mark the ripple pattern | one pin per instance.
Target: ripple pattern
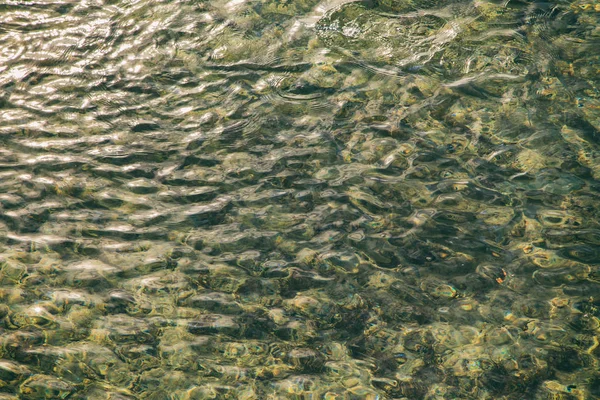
(299, 199)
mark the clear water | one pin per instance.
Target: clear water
(301, 199)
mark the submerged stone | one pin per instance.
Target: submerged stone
(45, 387)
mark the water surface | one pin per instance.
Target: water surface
(299, 199)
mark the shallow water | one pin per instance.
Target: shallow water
(301, 199)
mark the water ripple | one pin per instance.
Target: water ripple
(309, 198)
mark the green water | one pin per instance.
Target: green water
(301, 199)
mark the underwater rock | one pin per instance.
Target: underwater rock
(11, 373)
(45, 387)
(306, 360)
(214, 323)
(215, 301)
(92, 274)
